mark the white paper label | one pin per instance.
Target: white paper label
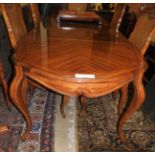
(85, 76)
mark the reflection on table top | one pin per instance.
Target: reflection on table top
(69, 49)
(86, 16)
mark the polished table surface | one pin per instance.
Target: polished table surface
(76, 59)
(78, 49)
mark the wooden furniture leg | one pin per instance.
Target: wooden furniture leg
(123, 98)
(6, 94)
(114, 94)
(24, 90)
(4, 85)
(63, 104)
(138, 99)
(83, 106)
(3, 129)
(17, 98)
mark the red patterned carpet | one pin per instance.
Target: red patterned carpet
(96, 131)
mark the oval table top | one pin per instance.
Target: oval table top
(78, 51)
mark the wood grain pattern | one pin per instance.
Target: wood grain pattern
(54, 54)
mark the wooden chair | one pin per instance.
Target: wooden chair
(13, 18)
(143, 32)
(3, 79)
(141, 38)
(16, 28)
(118, 16)
(4, 76)
(5, 65)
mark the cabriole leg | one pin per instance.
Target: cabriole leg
(17, 98)
(138, 99)
(123, 98)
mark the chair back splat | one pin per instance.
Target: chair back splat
(13, 18)
(118, 16)
(143, 32)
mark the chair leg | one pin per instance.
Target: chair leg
(83, 106)
(63, 104)
(114, 94)
(25, 86)
(5, 88)
(3, 129)
(6, 93)
(124, 91)
(17, 98)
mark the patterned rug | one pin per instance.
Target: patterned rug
(96, 131)
(41, 138)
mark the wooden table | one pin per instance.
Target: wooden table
(75, 60)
